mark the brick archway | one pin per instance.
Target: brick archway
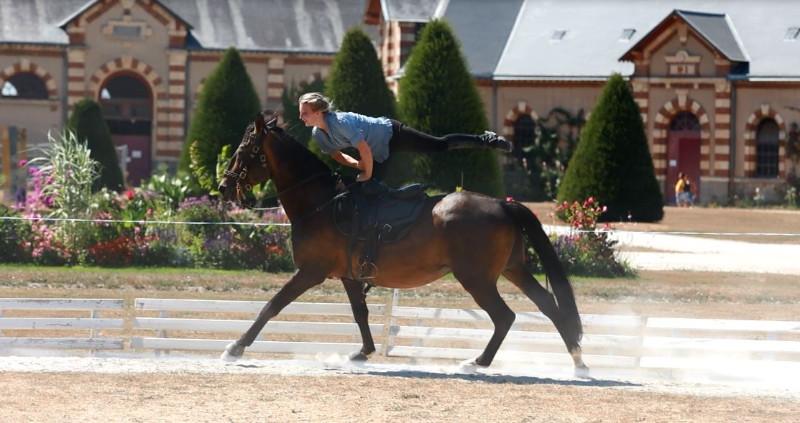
(130, 64)
(26, 66)
(750, 134)
(661, 131)
(523, 108)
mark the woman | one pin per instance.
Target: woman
(377, 138)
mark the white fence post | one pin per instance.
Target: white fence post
(389, 321)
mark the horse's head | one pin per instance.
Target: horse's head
(249, 165)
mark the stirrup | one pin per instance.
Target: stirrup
(367, 270)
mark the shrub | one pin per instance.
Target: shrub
(13, 233)
(438, 95)
(89, 126)
(585, 251)
(612, 162)
(227, 104)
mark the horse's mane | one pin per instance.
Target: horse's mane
(291, 150)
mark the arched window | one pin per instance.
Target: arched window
(24, 85)
(685, 121)
(767, 149)
(524, 133)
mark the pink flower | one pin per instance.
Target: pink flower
(129, 194)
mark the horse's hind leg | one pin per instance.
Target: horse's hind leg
(300, 282)
(358, 302)
(524, 280)
(484, 291)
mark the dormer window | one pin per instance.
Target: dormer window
(627, 34)
(792, 33)
(558, 35)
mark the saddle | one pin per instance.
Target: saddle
(372, 214)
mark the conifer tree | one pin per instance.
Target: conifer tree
(88, 124)
(438, 95)
(227, 104)
(612, 162)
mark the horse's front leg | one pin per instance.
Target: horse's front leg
(358, 302)
(300, 282)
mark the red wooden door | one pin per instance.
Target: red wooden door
(683, 153)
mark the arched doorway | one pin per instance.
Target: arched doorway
(127, 104)
(683, 152)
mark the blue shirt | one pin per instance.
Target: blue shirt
(346, 129)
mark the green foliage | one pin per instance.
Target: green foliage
(544, 156)
(67, 166)
(88, 124)
(202, 174)
(356, 82)
(438, 96)
(612, 161)
(170, 190)
(291, 114)
(227, 104)
(13, 233)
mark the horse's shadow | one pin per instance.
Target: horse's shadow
(502, 379)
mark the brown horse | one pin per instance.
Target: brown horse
(475, 237)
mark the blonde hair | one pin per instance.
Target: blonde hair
(317, 101)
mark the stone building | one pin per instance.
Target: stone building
(717, 82)
(145, 61)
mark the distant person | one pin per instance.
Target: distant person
(688, 191)
(679, 190)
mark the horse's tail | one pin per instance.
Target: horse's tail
(565, 297)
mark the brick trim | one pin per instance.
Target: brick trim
(765, 111)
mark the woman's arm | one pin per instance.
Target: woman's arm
(345, 159)
(365, 164)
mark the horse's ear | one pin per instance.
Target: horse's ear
(258, 123)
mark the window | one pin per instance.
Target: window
(524, 133)
(25, 85)
(767, 149)
(685, 121)
(627, 34)
(558, 35)
(792, 33)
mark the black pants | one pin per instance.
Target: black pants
(405, 138)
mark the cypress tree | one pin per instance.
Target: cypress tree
(438, 95)
(612, 161)
(88, 125)
(227, 104)
(356, 82)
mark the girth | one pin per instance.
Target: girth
(372, 214)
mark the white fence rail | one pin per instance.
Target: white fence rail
(22, 318)
(613, 341)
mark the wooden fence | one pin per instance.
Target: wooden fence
(32, 323)
(416, 333)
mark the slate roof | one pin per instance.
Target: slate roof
(592, 45)
(265, 25)
(409, 10)
(718, 30)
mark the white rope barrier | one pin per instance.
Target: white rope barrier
(561, 230)
(138, 222)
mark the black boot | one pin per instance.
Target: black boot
(486, 140)
(493, 140)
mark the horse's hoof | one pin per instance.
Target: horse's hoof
(232, 352)
(359, 356)
(582, 372)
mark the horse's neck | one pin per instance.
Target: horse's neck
(302, 191)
